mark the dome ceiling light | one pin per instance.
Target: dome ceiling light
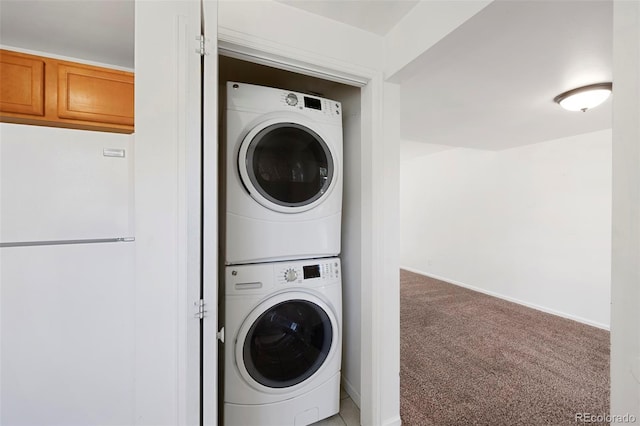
(584, 98)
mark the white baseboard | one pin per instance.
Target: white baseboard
(396, 421)
(351, 390)
(510, 299)
(355, 397)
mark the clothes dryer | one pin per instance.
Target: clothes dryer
(283, 323)
(283, 190)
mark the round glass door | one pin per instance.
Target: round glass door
(287, 343)
(289, 164)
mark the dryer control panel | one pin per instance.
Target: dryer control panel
(260, 99)
(308, 271)
(307, 102)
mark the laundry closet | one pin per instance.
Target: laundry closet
(348, 97)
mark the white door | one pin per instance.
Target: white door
(169, 151)
(210, 212)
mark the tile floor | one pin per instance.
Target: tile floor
(349, 414)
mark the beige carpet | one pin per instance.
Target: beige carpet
(472, 359)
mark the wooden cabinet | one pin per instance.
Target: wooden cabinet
(22, 89)
(50, 92)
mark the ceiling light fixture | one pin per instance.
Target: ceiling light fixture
(584, 98)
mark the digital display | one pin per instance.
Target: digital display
(311, 271)
(312, 103)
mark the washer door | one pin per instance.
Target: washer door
(285, 341)
(286, 167)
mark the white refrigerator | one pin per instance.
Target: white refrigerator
(67, 277)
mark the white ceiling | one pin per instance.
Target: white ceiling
(489, 84)
(93, 30)
(375, 16)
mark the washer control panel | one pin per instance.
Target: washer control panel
(308, 271)
(307, 102)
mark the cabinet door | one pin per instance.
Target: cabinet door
(21, 84)
(97, 95)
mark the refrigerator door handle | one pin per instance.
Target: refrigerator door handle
(113, 152)
(60, 242)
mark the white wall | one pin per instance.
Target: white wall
(389, 297)
(288, 27)
(167, 175)
(531, 224)
(625, 277)
(351, 247)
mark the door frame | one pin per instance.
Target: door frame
(372, 256)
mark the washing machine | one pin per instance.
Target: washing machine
(283, 327)
(283, 172)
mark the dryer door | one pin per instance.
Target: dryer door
(285, 341)
(286, 167)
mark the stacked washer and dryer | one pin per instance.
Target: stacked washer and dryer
(283, 287)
